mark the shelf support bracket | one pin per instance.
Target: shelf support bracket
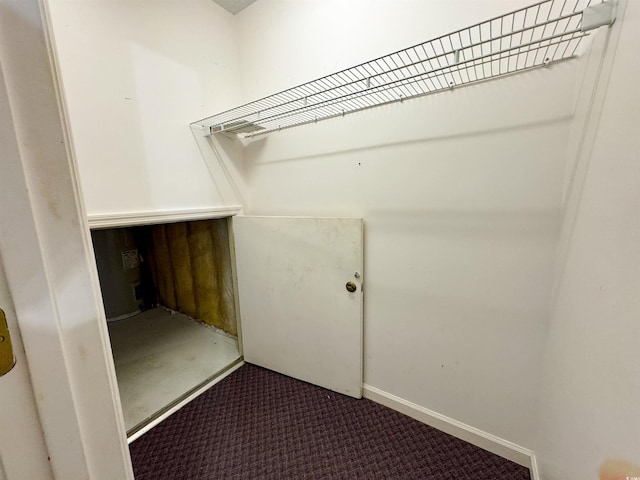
(600, 15)
(201, 130)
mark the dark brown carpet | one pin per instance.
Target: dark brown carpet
(256, 424)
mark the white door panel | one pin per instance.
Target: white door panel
(296, 314)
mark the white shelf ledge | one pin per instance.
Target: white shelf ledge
(535, 36)
(128, 219)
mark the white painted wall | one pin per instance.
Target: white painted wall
(135, 75)
(460, 192)
(591, 389)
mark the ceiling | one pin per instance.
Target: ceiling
(234, 6)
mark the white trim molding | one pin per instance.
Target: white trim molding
(48, 261)
(499, 446)
(127, 219)
(535, 472)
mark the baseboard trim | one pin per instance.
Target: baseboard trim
(535, 473)
(499, 446)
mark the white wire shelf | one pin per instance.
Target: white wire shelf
(539, 35)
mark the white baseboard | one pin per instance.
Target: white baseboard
(535, 473)
(499, 446)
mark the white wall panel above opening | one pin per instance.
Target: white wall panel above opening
(131, 88)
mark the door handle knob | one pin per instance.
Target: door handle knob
(351, 287)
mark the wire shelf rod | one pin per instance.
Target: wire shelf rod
(475, 63)
(323, 115)
(399, 68)
(411, 79)
(309, 98)
(460, 31)
(314, 120)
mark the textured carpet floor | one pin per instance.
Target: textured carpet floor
(256, 424)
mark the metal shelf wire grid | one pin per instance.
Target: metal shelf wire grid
(530, 37)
